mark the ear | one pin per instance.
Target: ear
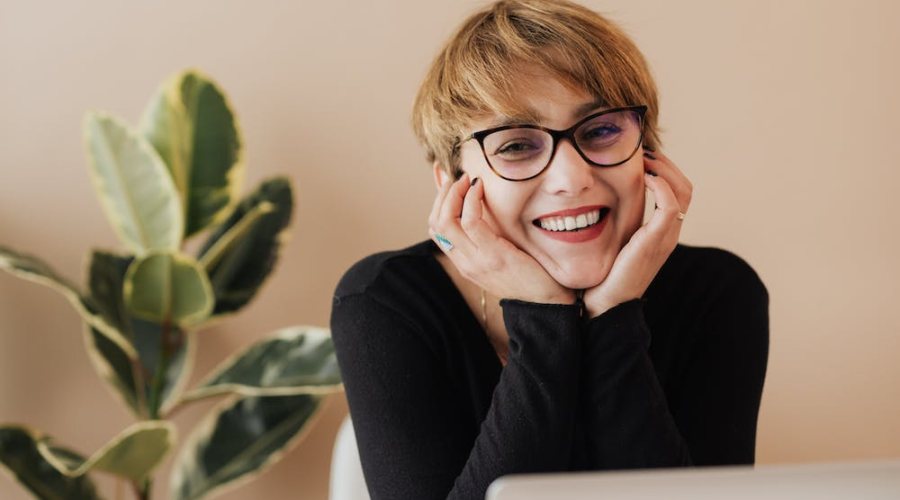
(440, 177)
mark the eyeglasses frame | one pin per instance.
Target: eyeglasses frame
(557, 136)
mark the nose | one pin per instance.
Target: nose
(568, 173)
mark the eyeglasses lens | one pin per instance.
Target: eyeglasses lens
(523, 152)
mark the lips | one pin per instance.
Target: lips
(575, 225)
(571, 220)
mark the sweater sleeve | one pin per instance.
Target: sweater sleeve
(628, 423)
(410, 429)
(722, 385)
(712, 420)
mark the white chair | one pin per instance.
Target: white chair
(347, 481)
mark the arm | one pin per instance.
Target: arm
(415, 436)
(715, 401)
(722, 386)
(627, 418)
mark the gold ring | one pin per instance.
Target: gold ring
(680, 215)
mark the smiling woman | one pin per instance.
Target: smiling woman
(521, 340)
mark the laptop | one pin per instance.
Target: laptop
(829, 481)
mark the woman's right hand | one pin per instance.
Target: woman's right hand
(483, 256)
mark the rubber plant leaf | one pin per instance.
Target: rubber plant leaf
(20, 456)
(133, 454)
(31, 268)
(190, 124)
(135, 188)
(168, 288)
(131, 379)
(238, 441)
(148, 339)
(238, 256)
(296, 360)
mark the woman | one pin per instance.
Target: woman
(546, 327)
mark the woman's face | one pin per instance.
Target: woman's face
(568, 187)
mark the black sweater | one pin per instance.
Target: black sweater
(674, 379)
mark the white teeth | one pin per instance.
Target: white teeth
(570, 223)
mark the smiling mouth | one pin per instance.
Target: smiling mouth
(572, 223)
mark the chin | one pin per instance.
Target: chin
(581, 279)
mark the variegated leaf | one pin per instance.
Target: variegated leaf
(19, 454)
(240, 440)
(168, 287)
(191, 126)
(297, 360)
(238, 268)
(31, 268)
(135, 188)
(133, 454)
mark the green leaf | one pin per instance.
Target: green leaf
(106, 279)
(133, 454)
(148, 340)
(132, 377)
(191, 126)
(238, 440)
(135, 189)
(168, 287)
(114, 367)
(19, 454)
(297, 360)
(31, 268)
(238, 268)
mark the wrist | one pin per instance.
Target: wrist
(595, 306)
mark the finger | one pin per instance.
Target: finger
(447, 223)
(472, 209)
(472, 221)
(663, 166)
(667, 204)
(453, 203)
(438, 203)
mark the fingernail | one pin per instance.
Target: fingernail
(475, 180)
(652, 173)
(648, 155)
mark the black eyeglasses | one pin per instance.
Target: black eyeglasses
(605, 139)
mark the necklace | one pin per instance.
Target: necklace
(501, 353)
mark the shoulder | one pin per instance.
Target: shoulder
(713, 270)
(393, 298)
(387, 270)
(707, 286)
(709, 299)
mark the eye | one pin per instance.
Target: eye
(599, 134)
(518, 149)
(517, 144)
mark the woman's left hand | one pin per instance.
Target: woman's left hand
(650, 246)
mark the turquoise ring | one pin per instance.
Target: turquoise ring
(443, 242)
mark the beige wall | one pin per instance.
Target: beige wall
(783, 113)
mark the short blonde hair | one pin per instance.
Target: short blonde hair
(479, 71)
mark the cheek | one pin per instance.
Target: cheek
(503, 207)
(631, 194)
